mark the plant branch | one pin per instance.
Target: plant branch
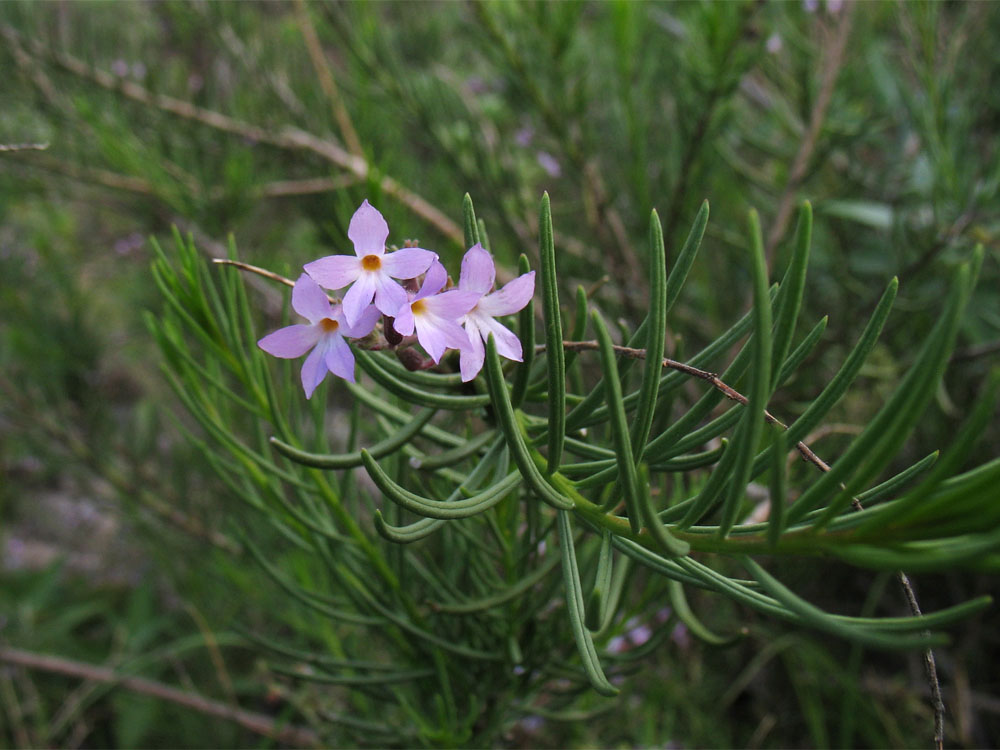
(709, 377)
(254, 722)
(23, 147)
(326, 80)
(254, 269)
(930, 663)
(288, 138)
(833, 60)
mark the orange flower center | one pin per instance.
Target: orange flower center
(371, 262)
(329, 325)
(418, 307)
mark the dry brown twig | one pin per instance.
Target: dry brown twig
(255, 722)
(11, 147)
(832, 61)
(326, 79)
(288, 138)
(930, 663)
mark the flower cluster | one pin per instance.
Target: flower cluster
(460, 318)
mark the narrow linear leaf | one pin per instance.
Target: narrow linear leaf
(817, 618)
(380, 373)
(353, 459)
(840, 382)
(680, 606)
(554, 354)
(574, 606)
(453, 456)
(760, 382)
(526, 332)
(655, 340)
(512, 592)
(413, 532)
(654, 524)
(793, 285)
(579, 324)
(512, 432)
(890, 426)
(373, 401)
(800, 352)
(469, 225)
(619, 426)
(982, 412)
(598, 600)
(685, 259)
(436, 508)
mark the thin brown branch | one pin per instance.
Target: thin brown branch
(89, 175)
(930, 663)
(288, 138)
(263, 272)
(254, 269)
(117, 181)
(326, 80)
(833, 60)
(709, 377)
(5, 147)
(250, 720)
(306, 186)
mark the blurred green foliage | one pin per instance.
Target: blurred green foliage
(614, 108)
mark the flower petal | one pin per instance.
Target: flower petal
(340, 359)
(403, 322)
(474, 355)
(358, 297)
(368, 231)
(309, 301)
(511, 298)
(452, 304)
(508, 344)
(290, 342)
(334, 271)
(407, 263)
(389, 296)
(438, 334)
(314, 369)
(455, 336)
(434, 281)
(478, 271)
(363, 325)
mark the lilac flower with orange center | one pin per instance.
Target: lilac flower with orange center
(324, 334)
(435, 316)
(478, 275)
(371, 271)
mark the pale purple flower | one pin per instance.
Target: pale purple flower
(478, 275)
(549, 163)
(324, 335)
(617, 645)
(640, 635)
(435, 316)
(371, 270)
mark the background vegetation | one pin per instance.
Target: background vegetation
(272, 122)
